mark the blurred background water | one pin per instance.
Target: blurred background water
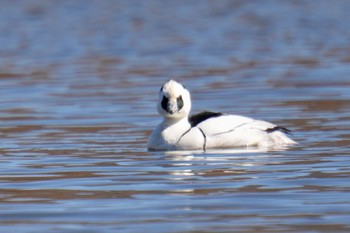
(79, 82)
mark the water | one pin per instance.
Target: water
(79, 82)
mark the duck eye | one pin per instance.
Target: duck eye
(180, 102)
(164, 103)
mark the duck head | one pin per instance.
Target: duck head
(174, 100)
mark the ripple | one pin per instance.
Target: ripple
(79, 83)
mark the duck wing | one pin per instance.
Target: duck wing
(212, 123)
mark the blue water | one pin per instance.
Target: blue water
(79, 83)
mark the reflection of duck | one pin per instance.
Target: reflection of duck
(208, 130)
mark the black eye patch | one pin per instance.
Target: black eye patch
(180, 102)
(164, 103)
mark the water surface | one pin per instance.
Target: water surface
(79, 83)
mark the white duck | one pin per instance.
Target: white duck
(208, 130)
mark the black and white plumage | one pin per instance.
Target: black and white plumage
(208, 130)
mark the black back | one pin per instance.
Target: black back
(202, 116)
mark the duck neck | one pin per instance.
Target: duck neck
(175, 121)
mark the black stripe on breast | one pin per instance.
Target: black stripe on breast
(205, 139)
(200, 117)
(278, 128)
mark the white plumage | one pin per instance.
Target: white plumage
(208, 130)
